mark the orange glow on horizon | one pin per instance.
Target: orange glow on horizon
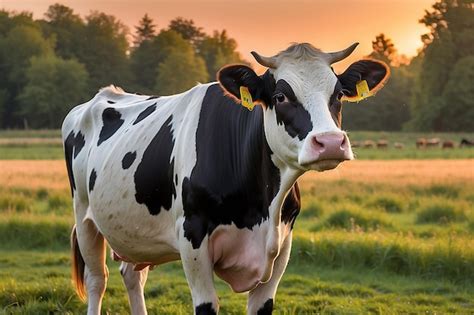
(270, 26)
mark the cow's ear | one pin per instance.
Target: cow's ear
(233, 77)
(374, 72)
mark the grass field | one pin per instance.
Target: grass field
(382, 237)
(46, 145)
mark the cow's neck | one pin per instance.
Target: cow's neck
(235, 179)
(288, 177)
(275, 177)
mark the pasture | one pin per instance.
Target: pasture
(373, 237)
(46, 145)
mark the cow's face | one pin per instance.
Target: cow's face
(302, 96)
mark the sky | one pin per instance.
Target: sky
(269, 26)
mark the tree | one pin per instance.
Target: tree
(145, 31)
(383, 49)
(16, 49)
(429, 85)
(104, 51)
(180, 70)
(10, 20)
(67, 28)
(53, 87)
(218, 50)
(451, 24)
(20, 44)
(4, 96)
(4, 22)
(458, 112)
(143, 65)
(145, 59)
(187, 29)
(455, 17)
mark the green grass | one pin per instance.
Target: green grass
(313, 210)
(33, 152)
(304, 289)
(425, 258)
(441, 213)
(36, 151)
(38, 201)
(40, 133)
(358, 248)
(347, 218)
(388, 203)
(35, 231)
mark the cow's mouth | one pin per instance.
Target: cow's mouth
(323, 165)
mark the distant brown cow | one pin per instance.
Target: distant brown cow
(420, 143)
(355, 144)
(433, 143)
(382, 144)
(448, 144)
(398, 145)
(368, 144)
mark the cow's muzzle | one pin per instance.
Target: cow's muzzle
(324, 151)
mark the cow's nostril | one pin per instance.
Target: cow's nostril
(343, 143)
(317, 144)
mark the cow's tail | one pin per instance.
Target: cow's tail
(78, 266)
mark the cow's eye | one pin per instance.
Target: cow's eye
(279, 98)
(340, 95)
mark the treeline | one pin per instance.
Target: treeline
(50, 65)
(47, 66)
(434, 91)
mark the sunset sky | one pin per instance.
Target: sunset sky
(269, 26)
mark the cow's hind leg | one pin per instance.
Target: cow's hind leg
(135, 283)
(260, 300)
(92, 250)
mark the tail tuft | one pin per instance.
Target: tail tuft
(78, 266)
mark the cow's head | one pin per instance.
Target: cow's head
(302, 96)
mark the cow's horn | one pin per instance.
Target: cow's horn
(339, 55)
(269, 62)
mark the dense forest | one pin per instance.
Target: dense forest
(48, 66)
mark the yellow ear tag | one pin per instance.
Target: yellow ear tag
(362, 89)
(246, 98)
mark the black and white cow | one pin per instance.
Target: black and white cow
(198, 177)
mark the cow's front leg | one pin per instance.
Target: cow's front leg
(261, 298)
(198, 268)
